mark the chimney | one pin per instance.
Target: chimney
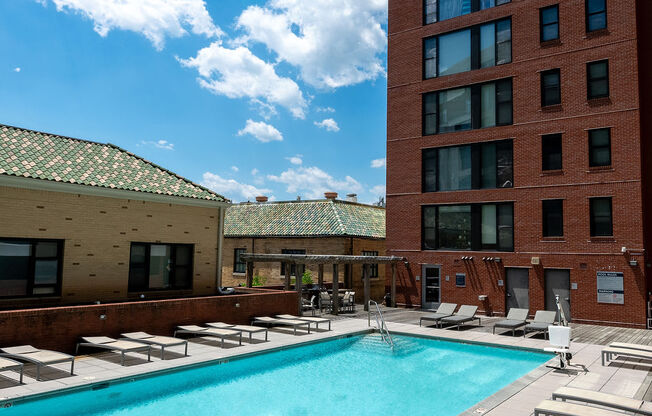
(352, 197)
(330, 195)
(261, 198)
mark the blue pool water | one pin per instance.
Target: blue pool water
(357, 375)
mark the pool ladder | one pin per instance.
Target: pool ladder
(380, 323)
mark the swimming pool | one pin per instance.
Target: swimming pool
(357, 375)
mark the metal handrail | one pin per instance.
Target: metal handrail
(380, 323)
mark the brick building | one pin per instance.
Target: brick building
(85, 222)
(328, 226)
(515, 161)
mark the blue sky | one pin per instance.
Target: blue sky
(278, 97)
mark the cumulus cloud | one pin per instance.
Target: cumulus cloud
(334, 43)
(235, 168)
(238, 73)
(160, 144)
(328, 124)
(314, 182)
(295, 160)
(231, 188)
(378, 190)
(261, 131)
(17, 69)
(154, 19)
(254, 172)
(378, 163)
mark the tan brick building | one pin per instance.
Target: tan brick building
(327, 226)
(85, 222)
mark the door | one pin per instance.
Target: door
(517, 291)
(431, 278)
(558, 284)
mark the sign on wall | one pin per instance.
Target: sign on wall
(610, 287)
(460, 279)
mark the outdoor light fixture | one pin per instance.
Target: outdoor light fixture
(497, 259)
(103, 317)
(633, 263)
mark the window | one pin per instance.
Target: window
(293, 267)
(600, 147)
(477, 106)
(30, 267)
(475, 166)
(551, 152)
(596, 15)
(160, 266)
(438, 10)
(597, 76)
(550, 88)
(468, 227)
(474, 48)
(601, 219)
(553, 217)
(373, 268)
(549, 23)
(239, 265)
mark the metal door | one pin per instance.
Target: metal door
(431, 286)
(518, 288)
(558, 283)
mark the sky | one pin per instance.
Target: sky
(282, 98)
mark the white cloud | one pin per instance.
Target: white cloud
(155, 19)
(325, 110)
(231, 188)
(238, 73)
(295, 160)
(254, 172)
(378, 163)
(261, 131)
(161, 144)
(378, 190)
(17, 69)
(314, 182)
(334, 43)
(328, 124)
(235, 168)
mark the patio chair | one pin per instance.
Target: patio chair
(268, 320)
(609, 352)
(314, 320)
(325, 301)
(121, 346)
(557, 408)
(242, 328)
(309, 305)
(156, 340)
(201, 331)
(542, 320)
(443, 311)
(464, 315)
(601, 399)
(345, 302)
(7, 364)
(37, 356)
(515, 319)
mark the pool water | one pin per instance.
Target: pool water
(358, 375)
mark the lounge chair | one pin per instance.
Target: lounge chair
(242, 328)
(556, 408)
(515, 319)
(325, 301)
(122, 346)
(37, 356)
(443, 311)
(542, 320)
(156, 340)
(209, 332)
(464, 315)
(601, 399)
(267, 321)
(8, 365)
(314, 320)
(609, 352)
(639, 347)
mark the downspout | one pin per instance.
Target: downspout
(220, 247)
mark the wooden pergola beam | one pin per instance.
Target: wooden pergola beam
(320, 259)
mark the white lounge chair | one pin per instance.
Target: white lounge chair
(294, 323)
(156, 340)
(560, 339)
(515, 319)
(443, 311)
(111, 344)
(602, 399)
(609, 352)
(556, 408)
(464, 315)
(314, 320)
(542, 320)
(10, 365)
(639, 347)
(37, 356)
(208, 332)
(242, 328)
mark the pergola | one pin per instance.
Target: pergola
(300, 260)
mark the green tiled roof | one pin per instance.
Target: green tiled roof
(305, 218)
(33, 154)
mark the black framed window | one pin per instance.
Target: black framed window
(601, 217)
(239, 265)
(600, 147)
(154, 266)
(553, 217)
(438, 10)
(550, 87)
(468, 227)
(551, 152)
(596, 15)
(476, 166)
(549, 23)
(30, 267)
(473, 107)
(477, 47)
(373, 268)
(293, 267)
(597, 79)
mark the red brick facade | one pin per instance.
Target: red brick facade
(625, 181)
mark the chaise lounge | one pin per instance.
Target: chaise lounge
(609, 352)
(542, 320)
(156, 340)
(242, 328)
(121, 346)
(464, 315)
(10, 365)
(209, 332)
(314, 320)
(37, 356)
(268, 320)
(443, 311)
(557, 408)
(601, 399)
(515, 319)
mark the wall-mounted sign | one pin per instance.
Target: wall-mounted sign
(460, 280)
(610, 287)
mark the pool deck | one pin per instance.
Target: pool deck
(630, 379)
